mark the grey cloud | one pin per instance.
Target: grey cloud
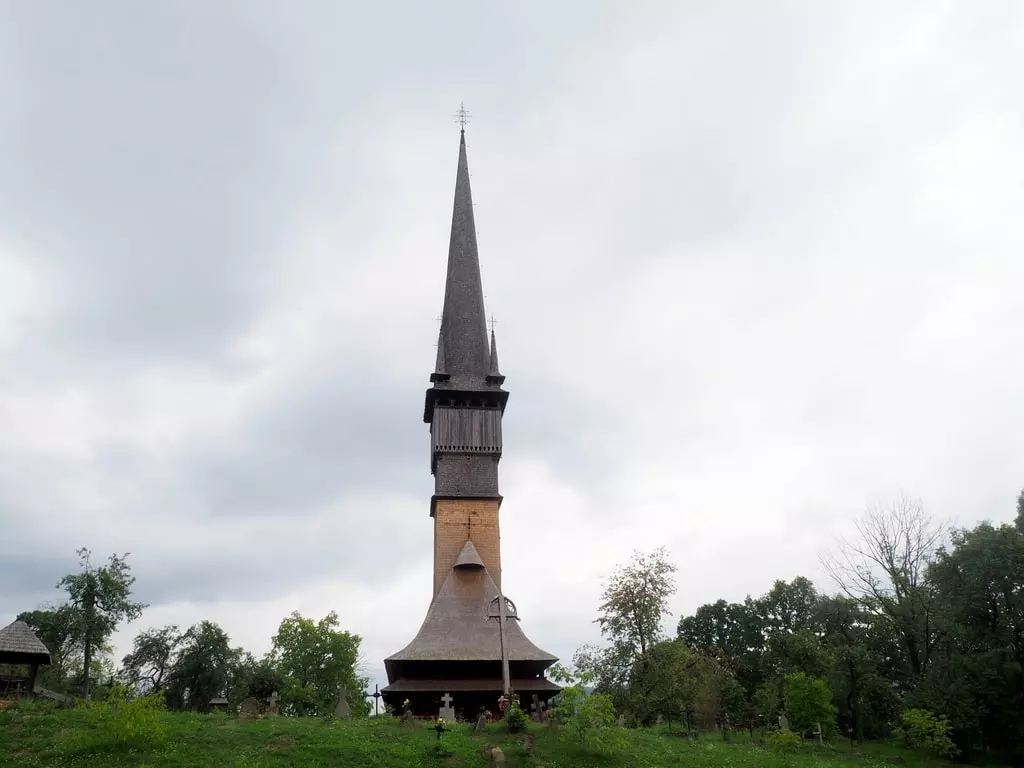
(732, 256)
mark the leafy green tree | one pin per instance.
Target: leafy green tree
(57, 627)
(316, 659)
(635, 602)
(808, 702)
(633, 605)
(1019, 521)
(733, 633)
(979, 582)
(257, 678)
(203, 667)
(101, 599)
(866, 700)
(677, 679)
(790, 606)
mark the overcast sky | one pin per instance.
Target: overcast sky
(754, 266)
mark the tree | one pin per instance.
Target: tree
(101, 598)
(257, 678)
(633, 604)
(678, 679)
(316, 659)
(152, 658)
(980, 585)
(635, 601)
(57, 628)
(885, 572)
(1019, 522)
(808, 702)
(790, 606)
(204, 667)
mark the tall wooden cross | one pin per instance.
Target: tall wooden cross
(502, 617)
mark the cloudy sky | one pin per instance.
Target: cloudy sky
(754, 266)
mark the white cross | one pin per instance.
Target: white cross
(447, 699)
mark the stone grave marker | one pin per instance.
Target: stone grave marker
(725, 727)
(446, 712)
(274, 706)
(530, 744)
(407, 719)
(659, 720)
(343, 711)
(783, 722)
(622, 721)
(481, 721)
(249, 708)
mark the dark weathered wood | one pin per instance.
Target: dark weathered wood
(469, 430)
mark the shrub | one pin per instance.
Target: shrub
(920, 729)
(809, 702)
(783, 741)
(515, 718)
(120, 722)
(590, 719)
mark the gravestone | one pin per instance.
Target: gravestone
(725, 727)
(530, 744)
(274, 707)
(783, 722)
(818, 734)
(408, 720)
(622, 721)
(446, 712)
(481, 722)
(659, 720)
(497, 756)
(343, 711)
(249, 708)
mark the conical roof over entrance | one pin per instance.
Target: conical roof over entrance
(458, 626)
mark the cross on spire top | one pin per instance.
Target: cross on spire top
(462, 116)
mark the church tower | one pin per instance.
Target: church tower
(458, 648)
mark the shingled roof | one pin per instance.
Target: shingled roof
(19, 645)
(458, 626)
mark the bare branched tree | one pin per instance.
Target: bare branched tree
(885, 571)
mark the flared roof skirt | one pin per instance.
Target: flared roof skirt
(458, 626)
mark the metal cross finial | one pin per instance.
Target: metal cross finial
(462, 116)
(493, 323)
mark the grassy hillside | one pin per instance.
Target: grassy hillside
(42, 736)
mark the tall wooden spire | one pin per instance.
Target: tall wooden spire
(460, 648)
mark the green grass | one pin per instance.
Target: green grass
(39, 735)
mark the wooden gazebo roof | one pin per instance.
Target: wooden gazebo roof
(19, 645)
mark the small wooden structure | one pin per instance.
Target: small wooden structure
(20, 646)
(218, 704)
